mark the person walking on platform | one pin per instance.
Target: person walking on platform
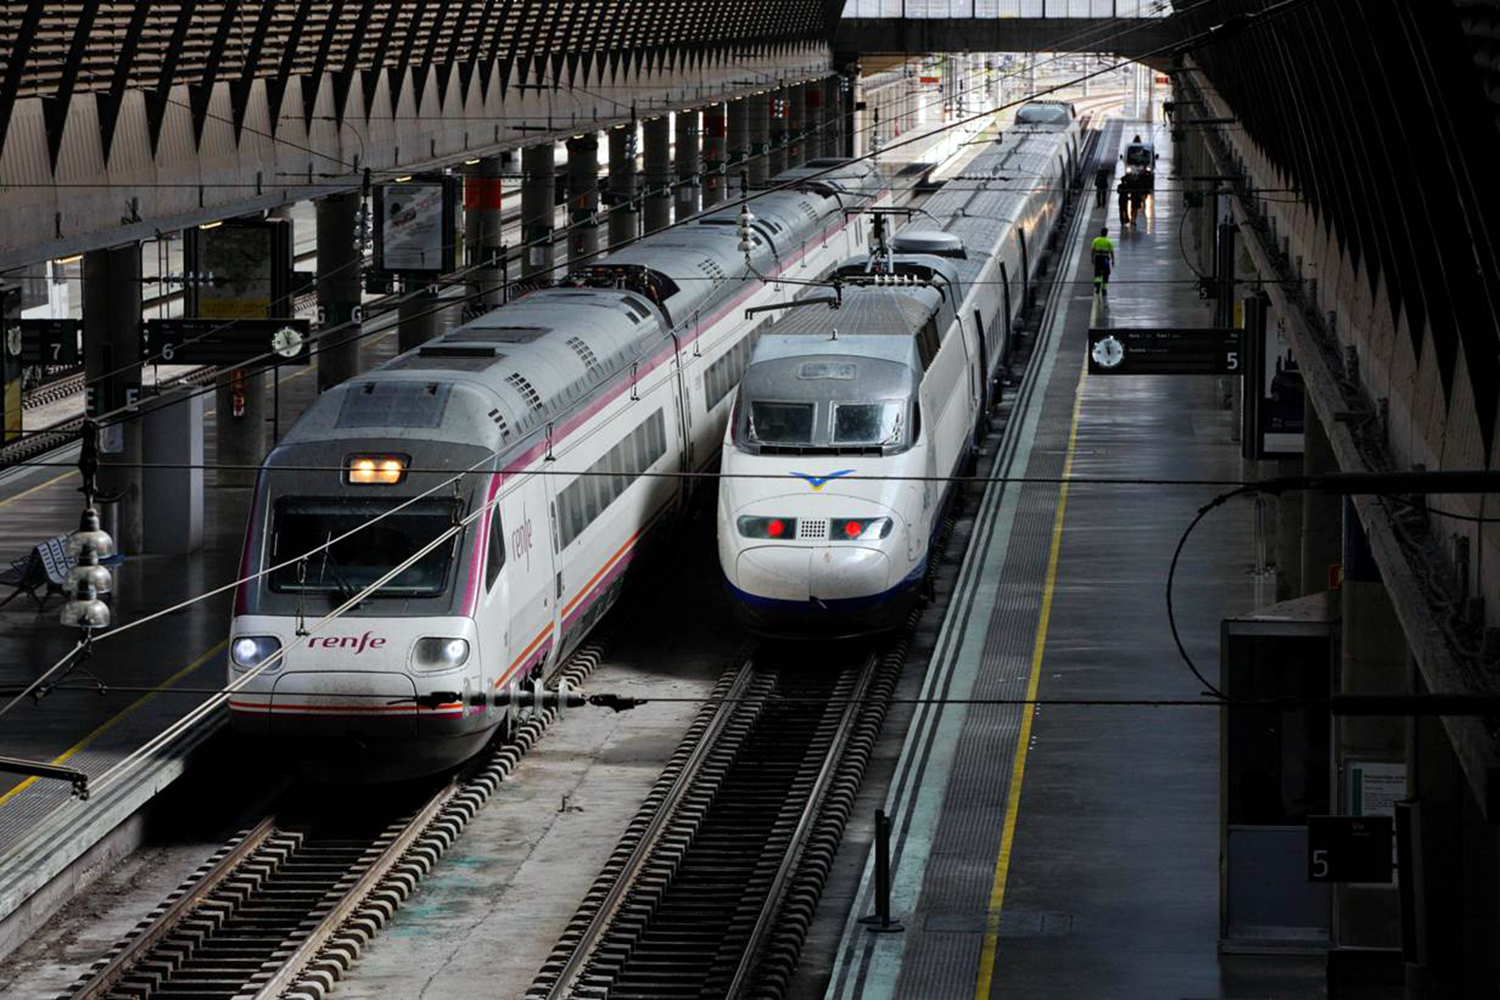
(1101, 186)
(1124, 203)
(1104, 261)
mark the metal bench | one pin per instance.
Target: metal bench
(45, 566)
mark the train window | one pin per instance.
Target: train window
(781, 423)
(497, 550)
(588, 496)
(388, 537)
(928, 343)
(867, 423)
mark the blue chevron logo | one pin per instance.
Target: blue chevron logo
(818, 482)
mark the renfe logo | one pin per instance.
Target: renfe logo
(358, 643)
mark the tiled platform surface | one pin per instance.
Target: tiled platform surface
(1091, 869)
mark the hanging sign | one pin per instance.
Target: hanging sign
(1164, 351)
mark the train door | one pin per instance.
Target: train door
(524, 588)
(1007, 313)
(984, 370)
(1025, 269)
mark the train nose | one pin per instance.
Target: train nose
(343, 705)
(814, 574)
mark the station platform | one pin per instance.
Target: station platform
(1073, 851)
(151, 675)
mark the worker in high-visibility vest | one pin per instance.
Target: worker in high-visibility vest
(1104, 261)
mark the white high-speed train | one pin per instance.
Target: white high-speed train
(626, 367)
(893, 383)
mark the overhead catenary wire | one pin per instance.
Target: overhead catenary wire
(177, 728)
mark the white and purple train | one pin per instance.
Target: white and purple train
(629, 366)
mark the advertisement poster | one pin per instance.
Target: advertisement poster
(241, 258)
(412, 226)
(1281, 408)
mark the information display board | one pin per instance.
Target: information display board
(416, 229)
(1164, 351)
(225, 343)
(50, 342)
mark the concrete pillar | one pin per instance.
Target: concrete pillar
(813, 121)
(1322, 515)
(583, 197)
(714, 134)
(112, 341)
(538, 208)
(656, 171)
(339, 289)
(833, 114)
(689, 188)
(1374, 660)
(776, 121)
(624, 221)
(796, 125)
(758, 126)
(482, 230)
(737, 162)
(172, 482)
(417, 317)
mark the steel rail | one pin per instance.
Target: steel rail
(816, 798)
(164, 923)
(345, 902)
(660, 822)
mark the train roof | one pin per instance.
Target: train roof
(775, 347)
(866, 312)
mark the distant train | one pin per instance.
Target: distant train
(849, 421)
(626, 367)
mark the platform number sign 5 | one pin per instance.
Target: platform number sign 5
(1349, 848)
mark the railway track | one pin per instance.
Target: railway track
(714, 884)
(285, 907)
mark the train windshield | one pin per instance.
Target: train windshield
(867, 423)
(781, 423)
(1138, 156)
(1043, 114)
(348, 566)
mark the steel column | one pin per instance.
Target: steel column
(339, 289)
(689, 191)
(714, 133)
(813, 122)
(538, 207)
(583, 197)
(657, 169)
(111, 358)
(777, 113)
(483, 242)
(737, 118)
(796, 124)
(624, 220)
(759, 126)
(417, 317)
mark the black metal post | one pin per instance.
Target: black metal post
(881, 922)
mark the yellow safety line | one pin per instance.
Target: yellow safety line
(39, 486)
(1023, 740)
(110, 723)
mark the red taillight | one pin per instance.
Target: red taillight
(776, 528)
(853, 529)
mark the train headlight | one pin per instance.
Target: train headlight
(250, 651)
(860, 528)
(440, 654)
(376, 470)
(768, 527)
